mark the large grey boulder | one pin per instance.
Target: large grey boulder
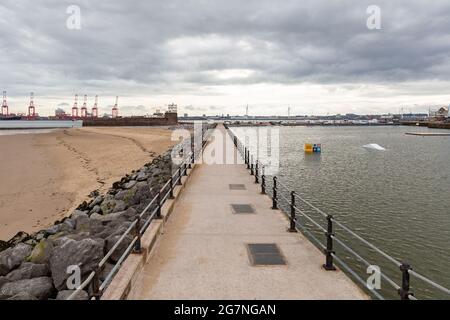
(18, 238)
(23, 296)
(143, 192)
(130, 184)
(111, 241)
(64, 294)
(78, 213)
(28, 270)
(95, 209)
(3, 280)
(41, 252)
(89, 226)
(86, 254)
(120, 206)
(156, 172)
(41, 288)
(107, 217)
(96, 202)
(11, 258)
(142, 176)
(67, 226)
(112, 205)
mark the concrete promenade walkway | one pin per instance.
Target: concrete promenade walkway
(203, 252)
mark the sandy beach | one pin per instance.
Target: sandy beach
(45, 176)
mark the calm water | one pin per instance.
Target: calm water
(39, 124)
(398, 199)
(26, 131)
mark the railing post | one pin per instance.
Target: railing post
(179, 176)
(171, 187)
(158, 200)
(292, 217)
(137, 230)
(248, 159)
(245, 155)
(185, 169)
(263, 184)
(96, 284)
(329, 249)
(256, 172)
(251, 165)
(404, 290)
(274, 194)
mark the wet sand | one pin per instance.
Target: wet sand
(45, 176)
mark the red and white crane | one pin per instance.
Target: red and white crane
(31, 108)
(5, 109)
(115, 109)
(95, 108)
(75, 107)
(84, 107)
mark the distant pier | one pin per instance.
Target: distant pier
(428, 134)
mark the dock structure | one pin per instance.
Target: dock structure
(206, 249)
(429, 134)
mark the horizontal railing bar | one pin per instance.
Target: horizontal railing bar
(309, 233)
(356, 276)
(118, 242)
(367, 263)
(430, 282)
(282, 184)
(368, 243)
(148, 206)
(311, 205)
(165, 197)
(310, 219)
(118, 264)
(148, 221)
(82, 286)
(164, 186)
(283, 198)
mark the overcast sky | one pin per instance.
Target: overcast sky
(214, 57)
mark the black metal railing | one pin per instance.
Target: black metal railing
(294, 211)
(138, 227)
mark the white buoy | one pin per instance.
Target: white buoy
(374, 146)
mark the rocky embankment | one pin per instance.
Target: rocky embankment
(35, 266)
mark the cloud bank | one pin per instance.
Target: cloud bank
(315, 56)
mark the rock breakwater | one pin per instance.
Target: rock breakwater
(35, 267)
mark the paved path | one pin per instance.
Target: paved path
(203, 254)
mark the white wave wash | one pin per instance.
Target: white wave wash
(374, 146)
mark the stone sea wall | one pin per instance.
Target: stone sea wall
(35, 266)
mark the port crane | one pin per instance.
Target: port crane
(115, 109)
(84, 107)
(31, 108)
(75, 107)
(95, 108)
(5, 110)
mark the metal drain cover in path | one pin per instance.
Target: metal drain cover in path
(242, 208)
(237, 186)
(265, 254)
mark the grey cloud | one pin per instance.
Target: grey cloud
(160, 47)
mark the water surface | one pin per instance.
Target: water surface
(398, 199)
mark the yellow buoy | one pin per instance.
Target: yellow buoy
(312, 148)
